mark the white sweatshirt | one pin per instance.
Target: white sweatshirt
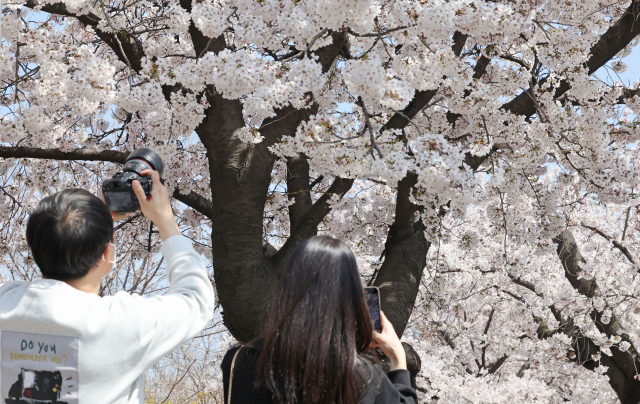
(78, 347)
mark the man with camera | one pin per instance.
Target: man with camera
(62, 342)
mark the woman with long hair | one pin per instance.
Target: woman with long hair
(313, 348)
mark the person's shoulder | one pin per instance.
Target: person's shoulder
(369, 369)
(15, 286)
(8, 289)
(228, 357)
(248, 355)
(232, 351)
(6, 286)
(368, 362)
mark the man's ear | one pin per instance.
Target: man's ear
(107, 258)
(106, 252)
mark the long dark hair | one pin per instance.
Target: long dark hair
(317, 325)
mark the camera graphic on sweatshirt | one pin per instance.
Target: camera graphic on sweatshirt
(36, 387)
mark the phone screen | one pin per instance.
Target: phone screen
(373, 301)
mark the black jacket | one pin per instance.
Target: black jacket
(394, 388)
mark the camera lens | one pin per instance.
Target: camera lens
(139, 159)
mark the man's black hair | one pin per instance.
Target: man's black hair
(68, 232)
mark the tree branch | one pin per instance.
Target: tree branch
(406, 246)
(308, 223)
(113, 156)
(298, 188)
(616, 244)
(523, 283)
(622, 370)
(608, 45)
(405, 257)
(422, 98)
(192, 199)
(571, 258)
(132, 51)
(493, 368)
(196, 202)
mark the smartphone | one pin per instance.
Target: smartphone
(372, 294)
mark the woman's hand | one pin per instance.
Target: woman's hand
(390, 344)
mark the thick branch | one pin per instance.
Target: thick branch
(308, 223)
(584, 351)
(298, 188)
(615, 243)
(403, 226)
(617, 37)
(113, 156)
(192, 199)
(247, 274)
(571, 258)
(475, 162)
(422, 98)
(481, 67)
(405, 257)
(304, 217)
(493, 368)
(621, 365)
(196, 202)
(406, 246)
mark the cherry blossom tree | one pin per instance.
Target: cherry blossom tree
(484, 177)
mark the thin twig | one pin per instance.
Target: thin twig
(523, 283)
(410, 121)
(615, 243)
(308, 47)
(541, 114)
(127, 221)
(486, 328)
(626, 223)
(115, 35)
(342, 139)
(432, 103)
(504, 218)
(178, 382)
(378, 34)
(374, 145)
(18, 44)
(534, 191)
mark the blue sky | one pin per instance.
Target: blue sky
(630, 75)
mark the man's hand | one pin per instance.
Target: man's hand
(116, 216)
(157, 207)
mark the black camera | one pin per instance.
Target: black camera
(118, 190)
